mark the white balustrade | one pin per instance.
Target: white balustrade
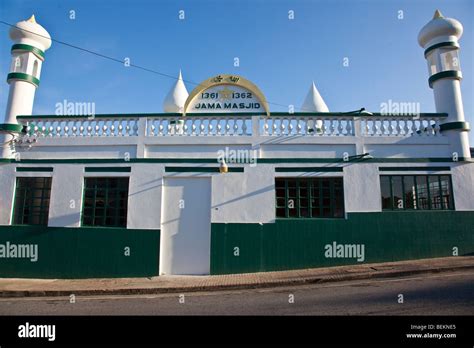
(307, 125)
(207, 125)
(401, 126)
(234, 125)
(81, 127)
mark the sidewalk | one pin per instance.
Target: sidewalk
(10, 287)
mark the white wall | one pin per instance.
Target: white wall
(463, 186)
(144, 201)
(7, 187)
(362, 188)
(66, 195)
(244, 197)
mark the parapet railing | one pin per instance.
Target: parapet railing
(277, 124)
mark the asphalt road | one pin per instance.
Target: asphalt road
(442, 294)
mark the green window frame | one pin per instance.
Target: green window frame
(31, 204)
(105, 201)
(303, 198)
(416, 192)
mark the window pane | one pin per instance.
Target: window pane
(422, 189)
(446, 192)
(397, 192)
(410, 192)
(435, 192)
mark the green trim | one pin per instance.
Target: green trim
(202, 169)
(412, 169)
(34, 169)
(213, 160)
(304, 114)
(29, 48)
(309, 169)
(443, 75)
(462, 126)
(441, 44)
(11, 127)
(107, 169)
(23, 77)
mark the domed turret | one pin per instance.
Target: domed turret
(28, 32)
(439, 29)
(174, 101)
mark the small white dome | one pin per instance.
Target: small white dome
(176, 98)
(439, 29)
(314, 102)
(29, 32)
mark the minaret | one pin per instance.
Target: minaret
(440, 38)
(176, 98)
(31, 40)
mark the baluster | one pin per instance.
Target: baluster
(236, 126)
(298, 126)
(405, 127)
(282, 126)
(290, 126)
(332, 127)
(201, 127)
(244, 126)
(349, 127)
(339, 127)
(210, 127)
(382, 127)
(437, 128)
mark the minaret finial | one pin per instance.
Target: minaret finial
(437, 14)
(32, 19)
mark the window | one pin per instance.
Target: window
(309, 198)
(35, 69)
(105, 202)
(31, 205)
(416, 192)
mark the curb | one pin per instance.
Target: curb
(240, 286)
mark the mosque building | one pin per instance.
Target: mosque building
(218, 183)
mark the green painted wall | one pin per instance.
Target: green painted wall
(82, 252)
(293, 244)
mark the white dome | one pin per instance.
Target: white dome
(29, 32)
(439, 29)
(176, 98)
(314, 102)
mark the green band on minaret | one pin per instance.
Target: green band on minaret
(460, 126)
(444, 74)
(9, 127)
(23, 77)
(29, 48)
(441, 44)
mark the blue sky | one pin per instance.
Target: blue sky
(281, 56)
